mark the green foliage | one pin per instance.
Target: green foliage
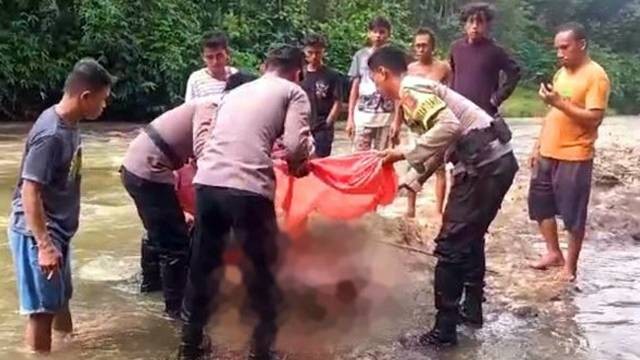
(153, 46)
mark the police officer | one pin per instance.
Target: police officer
(453, 129)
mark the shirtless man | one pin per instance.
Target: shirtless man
(426, 65)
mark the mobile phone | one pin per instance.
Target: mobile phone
(542, 78)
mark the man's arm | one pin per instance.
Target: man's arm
(452, 68)
(396, 124)
(296, 137)
(188, 96)
(512, 72)
(354, 94)
(591, 117)
(37, 171)
(48, 255)
(337, 103)
(335, 112)
(428, 154)
(448, 74)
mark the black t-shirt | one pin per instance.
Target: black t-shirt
(323, 88)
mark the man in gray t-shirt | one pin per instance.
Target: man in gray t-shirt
(45, 209)
(53, 158)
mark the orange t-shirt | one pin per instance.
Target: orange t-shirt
(562, 137)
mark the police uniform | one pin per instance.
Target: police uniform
(453, 129)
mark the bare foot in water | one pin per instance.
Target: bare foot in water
(566, 275)
(547, 261)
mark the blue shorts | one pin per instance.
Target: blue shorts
(36, 293)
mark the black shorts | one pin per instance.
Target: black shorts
(561, 188)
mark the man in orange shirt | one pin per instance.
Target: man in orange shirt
(562, 159)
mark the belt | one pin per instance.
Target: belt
(159, 142)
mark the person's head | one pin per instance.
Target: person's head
(314, 48)
(215, 52)
(424, 44)
(379, 31)
(286, 61)
(388, 65)
(477, 18)
(87, 88)
(571, 44)
(238, 79)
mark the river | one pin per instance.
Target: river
(385, 296)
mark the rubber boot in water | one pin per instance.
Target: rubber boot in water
(443, 333)
(150, 264)
(174, 274)
(471, 307)
(194, 345)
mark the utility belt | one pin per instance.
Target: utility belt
(478, 145)
(165, 148)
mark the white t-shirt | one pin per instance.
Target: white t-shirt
(372, 110)
(201, 84)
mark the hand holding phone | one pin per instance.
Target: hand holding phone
(545, 80)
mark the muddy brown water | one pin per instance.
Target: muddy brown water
(347, 294)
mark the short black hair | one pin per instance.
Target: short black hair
(315, 40)
(478, 8)
(379, 22)
(426, 31)
(578, 30)
(87, 75)
(237, 79)
(215, 40)
(285, 58)
(390, 57)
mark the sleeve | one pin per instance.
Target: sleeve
(188, 96)
(598, 93)
(296, 129)
(203, 123)
(452, 67)
(427, 155)
(512, 72)
(336, 84)
(414, 180)
(40, 159)
(354, 69)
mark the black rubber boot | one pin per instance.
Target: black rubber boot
(443, 333)
(195, 345)
(150, 264)
(471, 307)
(174, 273)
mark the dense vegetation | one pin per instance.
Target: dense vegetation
(152, 46)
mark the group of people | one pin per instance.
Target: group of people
(231, 123)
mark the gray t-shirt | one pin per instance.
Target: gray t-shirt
(52, 158)
(372, 110)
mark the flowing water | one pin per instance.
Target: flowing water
(349, 295)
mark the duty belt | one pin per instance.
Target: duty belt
(476, 146)
(159, 142)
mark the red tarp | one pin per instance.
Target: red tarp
(338, 187)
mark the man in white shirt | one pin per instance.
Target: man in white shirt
(211, 79)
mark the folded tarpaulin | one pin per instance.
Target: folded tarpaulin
(339, 187)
